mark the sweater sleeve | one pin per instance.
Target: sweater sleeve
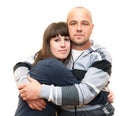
(21, 70)
(94, 81)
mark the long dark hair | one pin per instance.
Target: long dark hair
(53, 30)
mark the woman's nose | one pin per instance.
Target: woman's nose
(62, 43)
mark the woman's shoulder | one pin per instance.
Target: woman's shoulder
(50, 61)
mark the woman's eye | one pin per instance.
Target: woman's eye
(57, 40)
(67, 39)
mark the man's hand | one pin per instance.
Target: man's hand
(38, 104)
(31, 90)
(110, 96)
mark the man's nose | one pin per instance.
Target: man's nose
(79, 27)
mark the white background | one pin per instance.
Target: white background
(22, 23)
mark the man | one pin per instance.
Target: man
(90, 63)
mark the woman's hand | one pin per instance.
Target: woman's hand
(38, 104)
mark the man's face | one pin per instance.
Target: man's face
(80, 26)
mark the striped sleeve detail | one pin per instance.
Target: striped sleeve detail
(103, 65)
(70, 95)
(22, 64)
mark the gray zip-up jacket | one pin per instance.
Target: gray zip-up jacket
(92, 68)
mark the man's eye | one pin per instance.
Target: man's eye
(85, 23)
(72, 23)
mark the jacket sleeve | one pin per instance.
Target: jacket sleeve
(21, 70)
(95, 80)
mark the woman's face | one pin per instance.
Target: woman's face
(60, 47)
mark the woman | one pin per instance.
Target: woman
(49, 66)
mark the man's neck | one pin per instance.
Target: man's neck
(81, 47)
